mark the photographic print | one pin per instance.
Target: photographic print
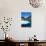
(26, 19)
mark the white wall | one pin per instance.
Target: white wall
(13, 8)
(45, 27)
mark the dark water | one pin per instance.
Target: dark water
(26, 25)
